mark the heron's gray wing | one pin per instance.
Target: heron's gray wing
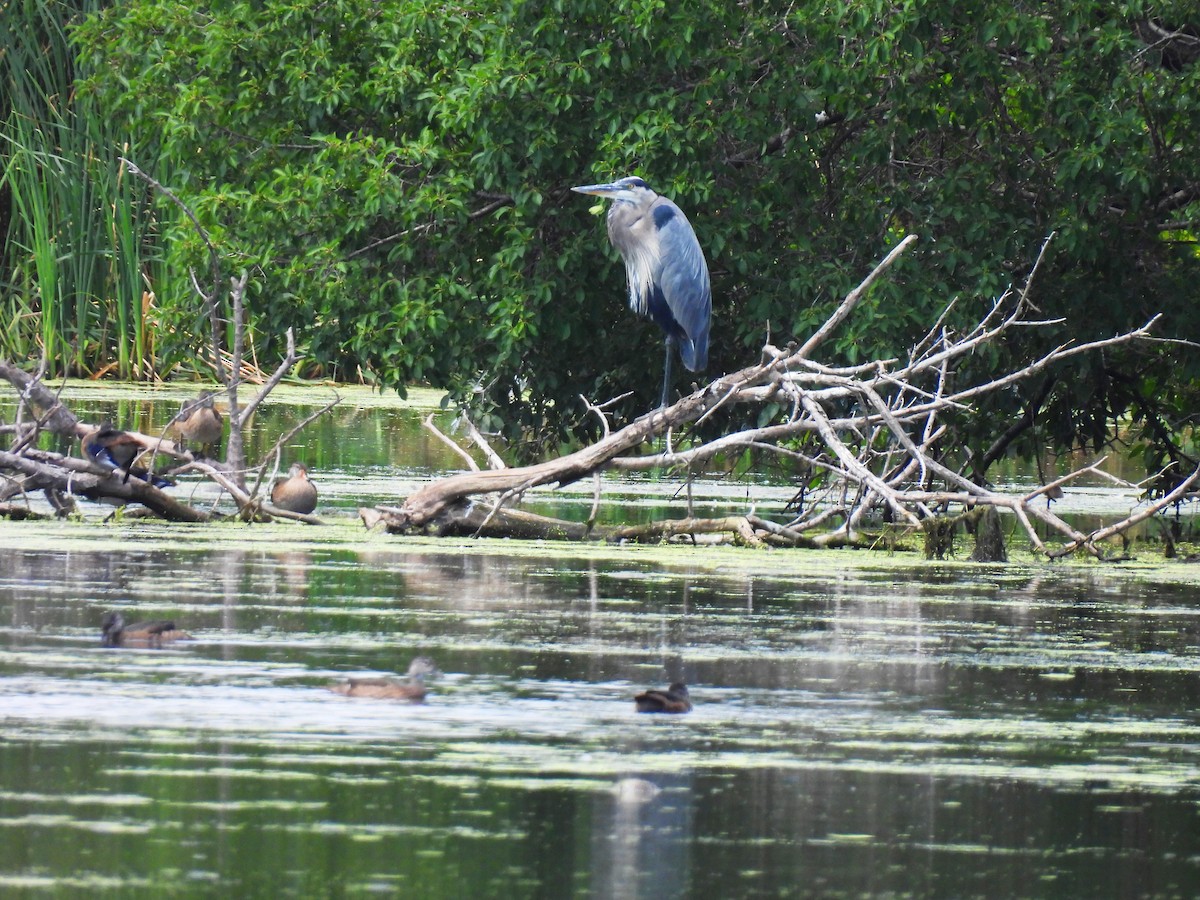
(683, 279)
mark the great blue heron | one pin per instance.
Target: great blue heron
(668, 277)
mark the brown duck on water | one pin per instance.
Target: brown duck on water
(296, 493)
(115, 633)
(674, 699)
(412, 690)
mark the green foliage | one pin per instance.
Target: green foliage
(399, 176)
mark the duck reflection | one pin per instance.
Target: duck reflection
(293, 565)
(642, 835)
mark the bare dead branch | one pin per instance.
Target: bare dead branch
(1090, 541)
(493, 458)
(853, 298)
(285, 366)
(437, 433)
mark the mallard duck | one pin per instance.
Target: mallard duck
(113, 450)
(412, 690)
(296, 493)
(674, 699)
(198, 420)
(115, 633)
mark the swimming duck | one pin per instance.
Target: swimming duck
(412, 690)
(673, 700)
(198, 420)
(115, 633)
(113, 449)
(296, 493)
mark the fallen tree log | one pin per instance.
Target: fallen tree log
(474, 519)
(430, 501)
(69, 476)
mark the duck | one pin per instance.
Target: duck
(115, 450)
(674, 699)
(198, 420)
(115, 633)
(412, 690)
(296, 493)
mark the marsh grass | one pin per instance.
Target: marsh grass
(80, 251)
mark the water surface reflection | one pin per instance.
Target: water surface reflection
(1007, 732)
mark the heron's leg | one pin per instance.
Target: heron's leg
(667, 374)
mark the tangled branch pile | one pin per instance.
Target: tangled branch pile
(880, 433)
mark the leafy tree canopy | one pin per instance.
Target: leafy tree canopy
(400, 173)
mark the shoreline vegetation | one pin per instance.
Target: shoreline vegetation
(159, 222)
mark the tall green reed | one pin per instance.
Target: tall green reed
(79, 258)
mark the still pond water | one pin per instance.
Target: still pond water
(865, 726)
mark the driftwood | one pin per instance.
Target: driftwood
(53, 472)
(876, 426)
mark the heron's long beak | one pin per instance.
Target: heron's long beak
(599, 190)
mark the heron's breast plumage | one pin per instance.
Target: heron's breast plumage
(636, 238)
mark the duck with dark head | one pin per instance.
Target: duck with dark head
(150, 634)
(674, 699)
(412, 689)
(115, 451)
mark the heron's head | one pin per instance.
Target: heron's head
(628, 190)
